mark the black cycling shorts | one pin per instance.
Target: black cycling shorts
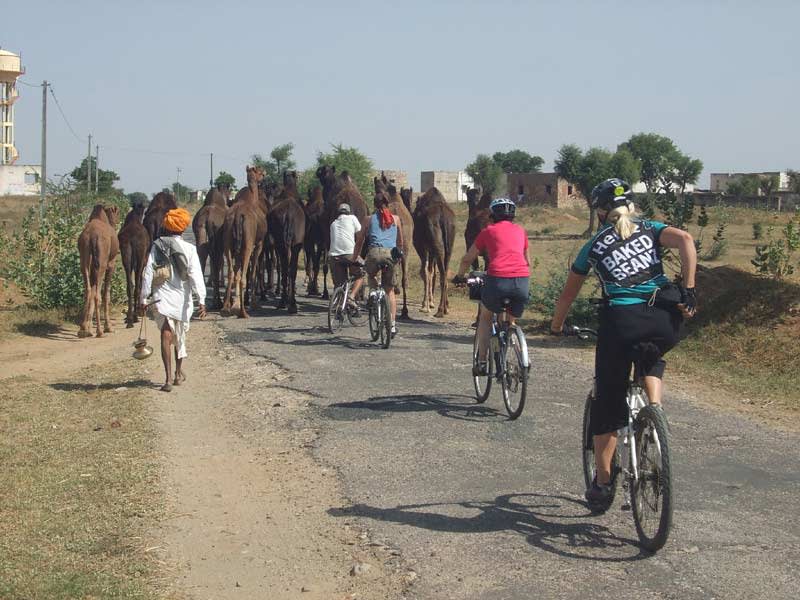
(496, 289)
(622, 328)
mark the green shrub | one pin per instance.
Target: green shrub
(544, 297)
(41, 257)
(775, 258)
(758, 230)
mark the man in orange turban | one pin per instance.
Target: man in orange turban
(176, 220)
(171, 298)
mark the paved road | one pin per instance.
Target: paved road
(485, 508)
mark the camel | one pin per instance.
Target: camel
(433, 237)
(244, 232)
(314, 244)
(134, 244)
(398, 207)
(336, 191)
(287, 229)
(161, 203)
(267, 262)
(477, 221)
(207, 226)
(98, 246)
(407, 194)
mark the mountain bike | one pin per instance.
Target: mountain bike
(509, 362)
(340, 307)
(380, 321)
(642, 458)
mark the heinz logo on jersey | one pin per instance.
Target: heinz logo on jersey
(627, 262)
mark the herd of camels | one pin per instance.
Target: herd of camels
(260, 234)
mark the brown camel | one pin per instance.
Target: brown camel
(336, 191)
(134, 244)
(287, 229)
(314, 244)
(154, 215)
(98, 246)
(477, 221)
(407, 194)
(397, 207)
(207, 226)
(434, 234)
(244, 232)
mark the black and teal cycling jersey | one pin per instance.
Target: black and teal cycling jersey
(627, 269)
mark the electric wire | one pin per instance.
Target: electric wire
(61, 110)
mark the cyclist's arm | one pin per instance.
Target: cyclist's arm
(361, 235)
(470, 257)
(568, 295)
(672, 237)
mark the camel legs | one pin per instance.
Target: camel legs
(129, 289)
(283, 261)
(97, 302)
(226, 306)
(88, 298)
(325, 279)
(241, 278)
(253, 273)
(404, 266)
(442, 310)
(107, 298)
(292, 283)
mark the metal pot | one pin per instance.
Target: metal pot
(142, 349)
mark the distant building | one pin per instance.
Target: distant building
(452, 184)
(20, 180)
(720, 181)
(398, 178)
(543, 189)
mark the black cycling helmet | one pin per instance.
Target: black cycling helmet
(503, 209)
(611, 194)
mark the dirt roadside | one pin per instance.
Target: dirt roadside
(246, 502)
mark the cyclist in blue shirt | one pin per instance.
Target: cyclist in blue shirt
(626, 255)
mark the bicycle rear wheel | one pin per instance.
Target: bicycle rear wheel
(357, 315)
(386, 322)
(651, 494)
(374, 324)
(515, 378)
(587, 447)
(482, 383)
(335, 315)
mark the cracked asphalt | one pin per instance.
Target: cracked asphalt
(482, 507)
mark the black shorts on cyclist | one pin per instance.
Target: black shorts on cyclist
(497, 289)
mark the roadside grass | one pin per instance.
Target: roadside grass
(78, 491)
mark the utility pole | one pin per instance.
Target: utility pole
(89, 165)
(43, 176)
(211, 179)
(96, 169)
(178, 181)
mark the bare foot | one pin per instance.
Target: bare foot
(179, 378)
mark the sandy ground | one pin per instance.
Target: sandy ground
(246, 502)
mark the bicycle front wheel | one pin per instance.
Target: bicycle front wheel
(482, 383)
(386, 324)
(357, 315)
(335, 315)
(514, 381)
(651, 494)
(374, 323)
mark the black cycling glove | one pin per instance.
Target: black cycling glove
(689, 298)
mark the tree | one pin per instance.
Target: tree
(586, 169)
(794, 181)
(105, 178)
(658, 158)
(354, 162)
(745, 185)
(518, 161)
(687, 171)
(280, 160)
(768, 184)
(180, 191)
(225, 178)
(485, 172)
(137, 198)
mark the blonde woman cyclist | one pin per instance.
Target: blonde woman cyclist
(626, 256)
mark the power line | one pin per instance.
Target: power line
(29, 84)
(58, 104)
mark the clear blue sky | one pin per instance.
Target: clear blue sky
(415, 85)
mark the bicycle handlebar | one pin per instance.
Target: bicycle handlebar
(582, 333)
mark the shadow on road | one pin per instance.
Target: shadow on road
(90, 387)
(312, 336)
(452, 406)
(545, 521)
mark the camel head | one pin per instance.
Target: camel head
(379, 183)
(473, 195)
(112, 214)
(406, 194)
(254, 175)
(326, 175)
(290, 179)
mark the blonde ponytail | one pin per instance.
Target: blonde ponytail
(622, 219)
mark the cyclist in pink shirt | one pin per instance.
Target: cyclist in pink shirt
(506, 246)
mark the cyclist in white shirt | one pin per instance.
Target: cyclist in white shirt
(343, 248)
